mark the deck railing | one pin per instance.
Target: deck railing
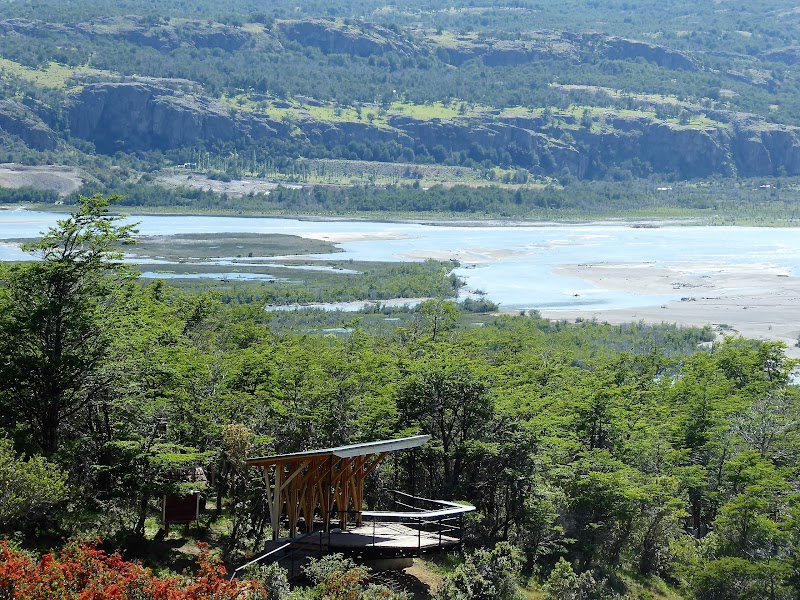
(283, 552)
(437, 523)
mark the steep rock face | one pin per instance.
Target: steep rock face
(20, 121)
(789, 56)
(226, 38)
(190, 33)
(688, 152)
(141, 116)
(565, 45)
(782, 146)
(467, 135)
(747, 149)
(496, 53)
(341, 134)
(138, 116)
(333, 37)
(615, 48)
(668, 148)
(199, 34)
(32, 28)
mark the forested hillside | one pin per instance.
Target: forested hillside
(525, 92)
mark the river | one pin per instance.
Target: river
(520, 267)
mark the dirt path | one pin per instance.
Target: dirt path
(418, 580)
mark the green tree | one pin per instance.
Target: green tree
(446, 398)
(27, 487)
(658, 522)
(52, 341)
(602, 505)
(737, 579)
(339, 578)
(160, 420)
(237, 441)
(564, 583)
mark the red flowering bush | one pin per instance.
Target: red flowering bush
(82, 572)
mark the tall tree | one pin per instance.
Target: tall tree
(51, 338)
(447, 398)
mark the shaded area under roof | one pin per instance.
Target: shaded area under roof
(349, 451)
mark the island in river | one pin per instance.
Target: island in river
(738, 279)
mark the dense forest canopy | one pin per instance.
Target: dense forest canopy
(623, 449)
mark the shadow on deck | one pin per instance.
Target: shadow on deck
(379, 536)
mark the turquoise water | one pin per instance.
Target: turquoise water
(524, 279)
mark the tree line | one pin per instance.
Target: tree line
(744, 199)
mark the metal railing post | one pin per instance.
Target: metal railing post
(460, 530)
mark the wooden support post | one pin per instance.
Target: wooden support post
(330, 481)
(326, 497)
(276, 502)
(270, 503)
(290, 493)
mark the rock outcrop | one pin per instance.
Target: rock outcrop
(18, 120)
(340, 37)
(496, 53)
(789, 56)
(134, 116)
(162, 37)
(548, 45)
(615, 48)
(140, 116)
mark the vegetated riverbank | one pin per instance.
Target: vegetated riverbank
(640, 218)
(762, 202)
(617, 271)
(451, 219)
(754, 300)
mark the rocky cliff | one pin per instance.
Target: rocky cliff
(139, 116)
(162, 37)
(346, 37)
(615, 48)
(548, 45)
(19, 120)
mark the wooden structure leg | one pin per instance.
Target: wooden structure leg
(329, 482)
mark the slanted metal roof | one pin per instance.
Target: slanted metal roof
(346, 451)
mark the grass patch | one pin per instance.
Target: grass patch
(54, 76)
(371, 282)
(224, 245)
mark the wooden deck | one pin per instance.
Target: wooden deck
(394, 536)
(410, 532)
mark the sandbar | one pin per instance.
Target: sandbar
(344, 236)
(466, 255)
(757, 301)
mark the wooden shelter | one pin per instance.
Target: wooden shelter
(328, 482)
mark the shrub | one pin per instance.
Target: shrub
(80, 571)
(485, 575)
